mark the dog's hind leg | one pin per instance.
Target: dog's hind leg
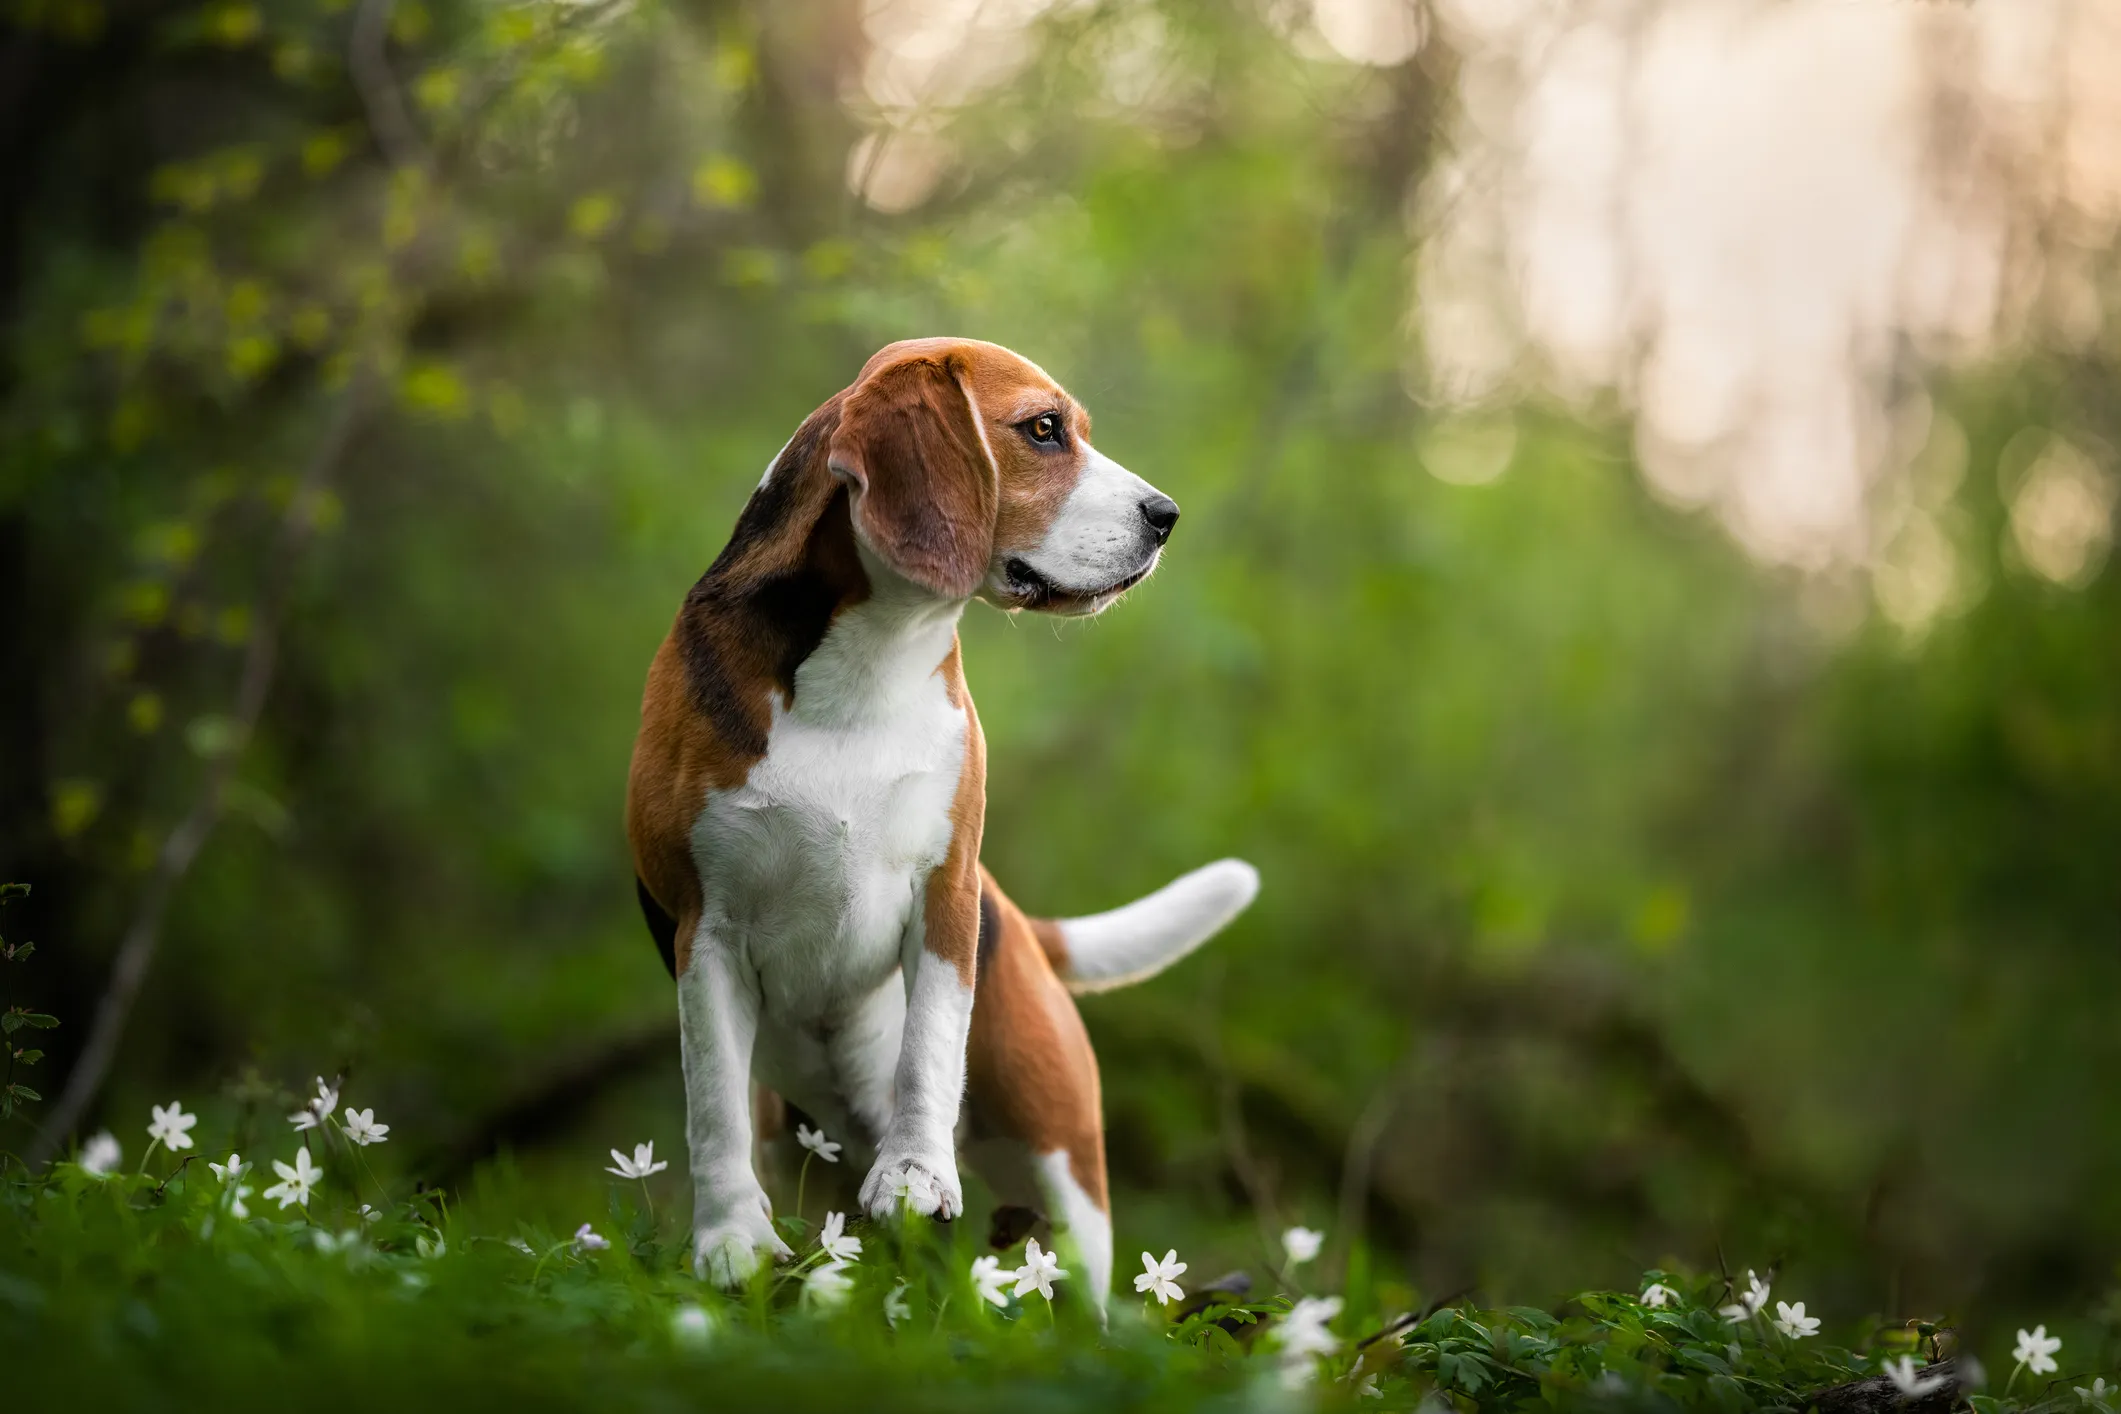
(1032, 1081)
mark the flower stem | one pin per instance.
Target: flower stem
(149, 1153)
(649, 1199)
(802, 1177)
(2016, 1370)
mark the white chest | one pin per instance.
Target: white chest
(812, 871)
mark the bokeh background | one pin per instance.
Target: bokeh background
(1649, 471)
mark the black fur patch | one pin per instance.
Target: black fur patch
(737, 629)
(661, 926)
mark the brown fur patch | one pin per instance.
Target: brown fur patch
(952, 922)
(1030, 1073)
(909, 443)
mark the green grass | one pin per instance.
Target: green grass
(143, 1289)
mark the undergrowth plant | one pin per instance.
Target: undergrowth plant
(180, 1280)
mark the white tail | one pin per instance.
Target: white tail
(1131, 944)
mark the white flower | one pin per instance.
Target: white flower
(585, 1238)
(815, 1141)
(836, 1244)
(1159, 1278)
(1749, 1301)
(346, 1241)
(895, 1307)
(303, 1119)
(237, 1208)
(990, 1277)
(2036, 1350)
(828, 1285)
(431, 1247)
(1792, 1321)
(1366, 1387)
(370, 1215)
(327, 1099)
(172, 1126)
(2097, 1393)
(691, 1325)
(361, 1127)
(1303, 1331)
(523, 1247)
(100, 1154)
(1301, 1244)
(296, 1180)
(641, 1165)
(232, 1171)
(1657, 1294)
(1303, 1334)
(1039, 1271)
(1911, 1385)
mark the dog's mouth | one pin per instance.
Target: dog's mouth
(1028, 589)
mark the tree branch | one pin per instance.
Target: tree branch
(181, 848)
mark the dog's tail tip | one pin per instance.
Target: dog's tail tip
(1135, 942)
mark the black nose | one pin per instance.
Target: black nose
(1162, 513)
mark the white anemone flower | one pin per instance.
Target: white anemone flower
(642, 1164)
(1657, 1294)
(237, 1208)
(232, 1171)
(1301, 1244)
(2036, 1350)
(1159, 1279)
(296, 1180)
(691, 1325)
(990, 1276)
(1302, 1334)
(101, 1154)
(1792, 1322)
(585, 1237)
(836, 1243)
(172, 1127)
(896, 1308)
(361, 1127)
(815, 1141)
(1039, 1271)
(827, 1286)
(1911, 1385)
(1749, 1301)
(303, 1119)
(2098, 1392)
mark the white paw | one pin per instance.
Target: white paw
(902, 1182)
(728, 1252)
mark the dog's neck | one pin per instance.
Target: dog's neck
(878, 652)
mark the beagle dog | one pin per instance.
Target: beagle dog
(809, 787)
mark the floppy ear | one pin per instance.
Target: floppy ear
(925, 489)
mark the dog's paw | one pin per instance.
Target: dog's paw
(727, 1253)
(913, 1183)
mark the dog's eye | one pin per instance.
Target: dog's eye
(1043, 430)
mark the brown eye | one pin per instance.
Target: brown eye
(1043, 430)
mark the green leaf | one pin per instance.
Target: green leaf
(23, 1092)
(30, 1057)
(39, 1020)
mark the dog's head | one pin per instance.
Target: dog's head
(971, 473)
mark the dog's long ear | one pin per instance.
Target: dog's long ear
(925, 488)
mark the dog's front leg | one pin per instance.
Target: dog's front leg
(916, 1164)
(718, 1020)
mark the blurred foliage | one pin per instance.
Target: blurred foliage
(1625, 902)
